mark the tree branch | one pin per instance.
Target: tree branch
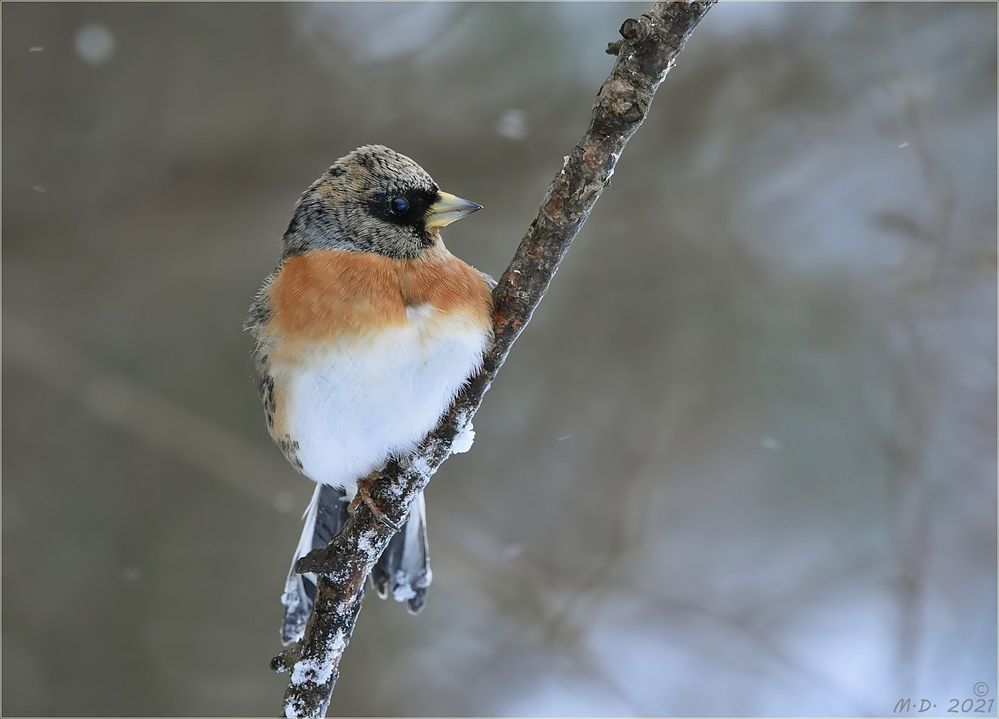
(646, 53)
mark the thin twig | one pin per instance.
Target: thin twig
(645, 55)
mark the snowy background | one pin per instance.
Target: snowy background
(742, 462)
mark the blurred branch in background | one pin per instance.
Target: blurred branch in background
(646, 53)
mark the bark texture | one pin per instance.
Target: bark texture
(646, 52)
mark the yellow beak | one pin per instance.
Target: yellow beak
(447, 209)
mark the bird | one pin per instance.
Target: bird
(364, 334)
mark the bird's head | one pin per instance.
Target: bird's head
(374, 200)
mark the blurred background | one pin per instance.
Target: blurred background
(743, 461)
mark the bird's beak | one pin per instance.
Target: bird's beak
(449, 208)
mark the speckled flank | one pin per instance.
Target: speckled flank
(275, 411)
(289, 448)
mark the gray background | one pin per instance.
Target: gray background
(743, 460)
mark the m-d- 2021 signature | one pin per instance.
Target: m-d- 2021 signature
(979, 704)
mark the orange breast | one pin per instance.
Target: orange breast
(325, 295)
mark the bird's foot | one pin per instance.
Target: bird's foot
(363, 496)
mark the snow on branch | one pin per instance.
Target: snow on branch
(645, 54)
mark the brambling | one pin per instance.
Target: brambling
(365, 331)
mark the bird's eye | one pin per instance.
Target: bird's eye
(400, 205)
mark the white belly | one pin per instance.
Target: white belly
(359, 402)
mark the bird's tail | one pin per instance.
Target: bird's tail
(403, 569)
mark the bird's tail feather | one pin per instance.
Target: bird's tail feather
(403, 569)
(325, 514)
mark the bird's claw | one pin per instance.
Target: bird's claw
(363, 496)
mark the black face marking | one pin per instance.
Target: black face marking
(410, 213)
